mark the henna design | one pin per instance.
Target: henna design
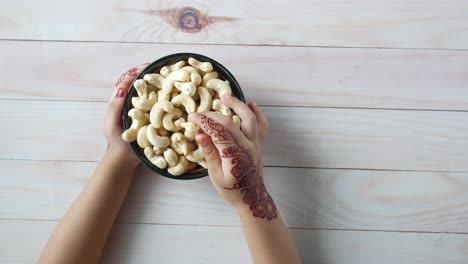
(131, 73)
(219, 134)
(250, 182)
(186, 19)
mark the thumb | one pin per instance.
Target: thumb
(114, 110)
(212, 157)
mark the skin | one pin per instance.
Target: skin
(234, 163)
(235, 167)
(82, 233)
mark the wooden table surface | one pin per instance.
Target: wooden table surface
(367, 156)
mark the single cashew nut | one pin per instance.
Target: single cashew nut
(179, 76)
(218, 106)
(220, 86)
(209, 76)
(180, 168)
(145, 104)
(196, 155)
(171, 157)
(191, 130)
(140, 87)
(159, 161)
(166, 70)
(163, 96)
(138, 120)
(157, 112)
(195, 78)
(155, 139)
(142, 138)
(188, 88)
(180, 144)
(203, 66)
(205, 99)
(236, 120)
(168, 120)
(186, 101)
(154, 79)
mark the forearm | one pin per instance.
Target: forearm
(81, 234)
(268, 240)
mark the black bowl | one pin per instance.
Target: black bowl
(154, 67)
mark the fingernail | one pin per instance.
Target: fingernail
(120, 93)
(227, 97)
(254, 103)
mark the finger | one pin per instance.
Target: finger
(249, 120)
(126, 79)
(212, 157)
(114, 109)
(262, 121)
(221, 129)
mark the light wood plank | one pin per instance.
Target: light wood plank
(201, 244)
(307, 198)
(288, 76)
(309, 137)
(397, 23)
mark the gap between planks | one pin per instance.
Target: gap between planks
(229, 44)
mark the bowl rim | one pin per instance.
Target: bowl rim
(151, 68)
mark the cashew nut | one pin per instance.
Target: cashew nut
(180, 144)
(209, 76)
(186, 101)
(154, 79)
(138, 120)
(142, 138)
(191, 130)
(140, 87)
(158, 150)
(187, 88)
(196, 155)
(219, 107)
(195, 78)
(163, 96)
(220, 86)
(159, 161)
(205, 99)
(236, 120)
(145, 104)
(166, 70)
(155, 139)
(179, 76)
(169, 121)
(180, 168)
(157, 112)
(171, 157)
(203, 66)
(163, 132)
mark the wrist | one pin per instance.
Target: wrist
(120, 157)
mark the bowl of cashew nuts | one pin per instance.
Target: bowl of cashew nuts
(155, 113)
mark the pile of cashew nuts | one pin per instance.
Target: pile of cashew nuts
(159, 117)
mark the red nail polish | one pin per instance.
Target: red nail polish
(120, 93)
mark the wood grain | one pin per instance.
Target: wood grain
(307, 198)
(398, 23)
(287, 76)
(306, 137)
(202, 244)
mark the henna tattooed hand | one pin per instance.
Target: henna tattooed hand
(112, 126)
(234, 156)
